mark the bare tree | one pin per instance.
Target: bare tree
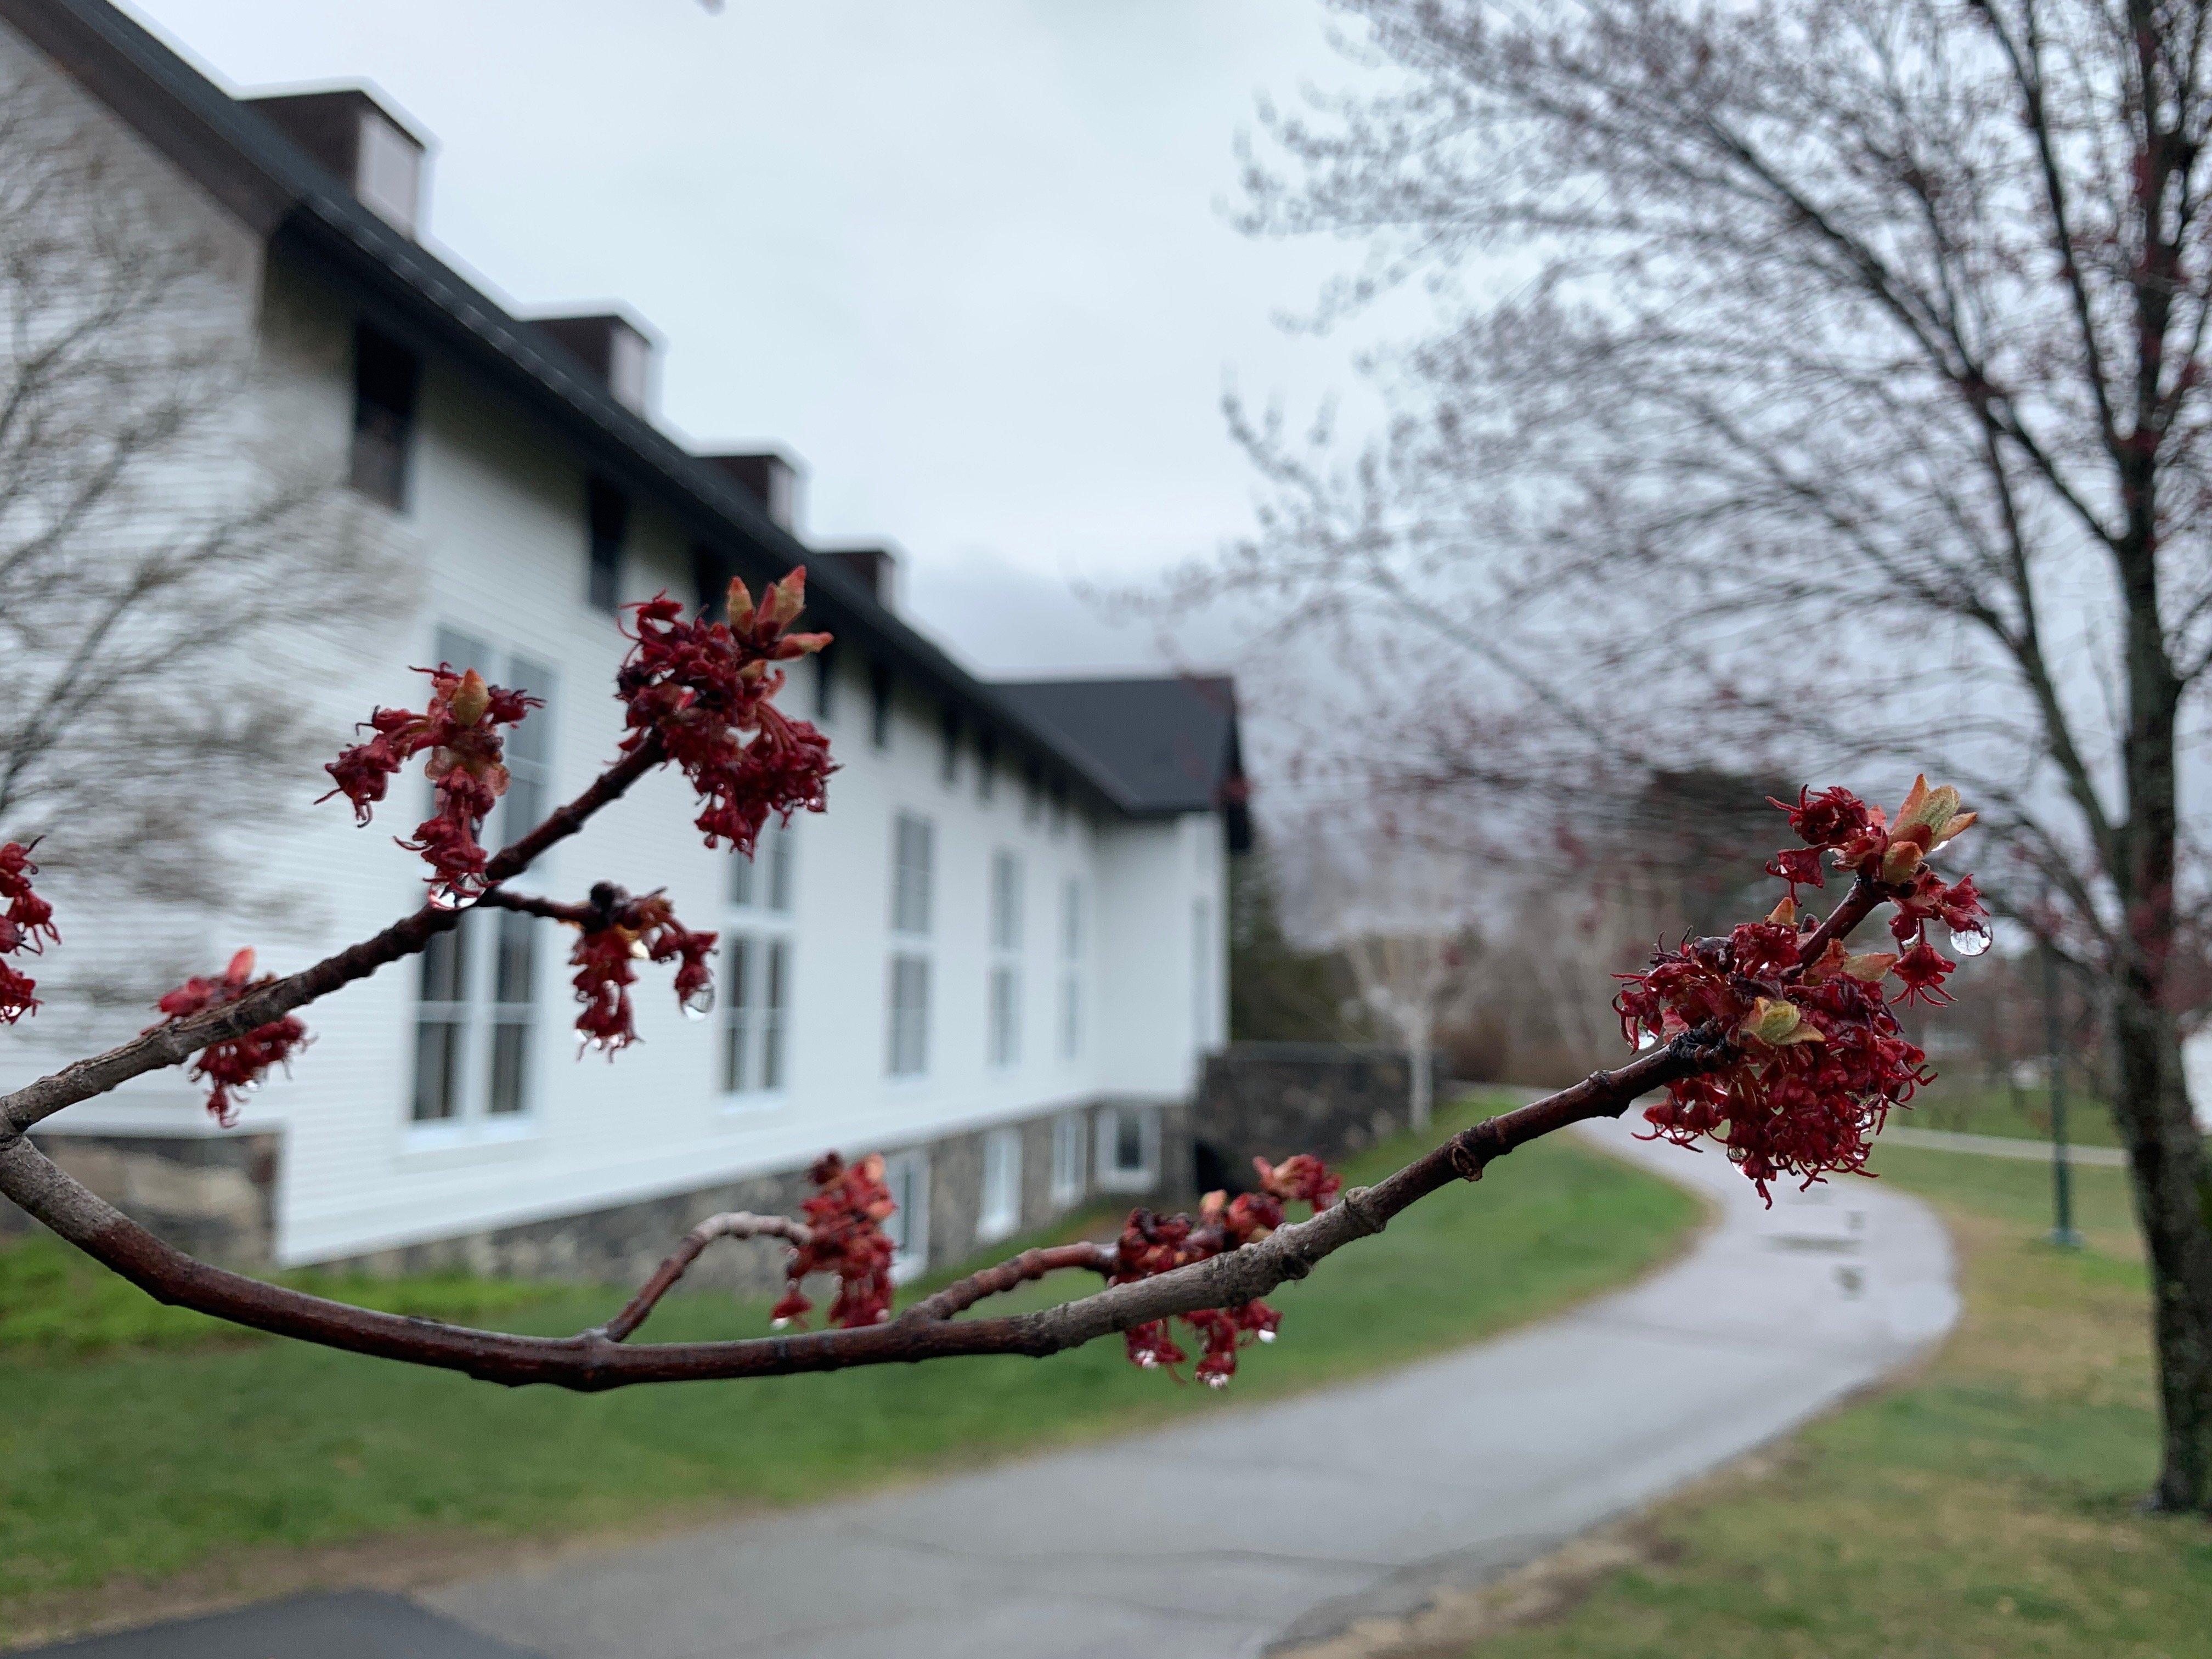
(1839, 388)
(159, 553)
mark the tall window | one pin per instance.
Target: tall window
(1128, 1148)
(756, 972)
(1004, 1040)
(757, 978)
(1032, 793)
(913, 861)
(386, 377)
(1071, 969)
(1000, 1212)
(1069, 1147)
(476, 1022)
(606, 512)
(763, 881)
(906, 1173)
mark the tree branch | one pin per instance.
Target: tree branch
(593, 1360)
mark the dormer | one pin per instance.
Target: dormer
(613, 348)
(372, 151)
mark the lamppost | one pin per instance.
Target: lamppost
(2062, 1175)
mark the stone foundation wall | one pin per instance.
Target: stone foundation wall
(1271, 1099)
(214, 1195)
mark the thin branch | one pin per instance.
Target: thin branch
(730, 1224)
(173, 1043)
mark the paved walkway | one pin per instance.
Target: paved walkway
(2038, 1151)
(1273, 1525)
(1285, 1522)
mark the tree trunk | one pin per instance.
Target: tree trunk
(2173, 1204)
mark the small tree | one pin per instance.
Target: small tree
(1853, 387)
(155, 556)
(1775, 1039)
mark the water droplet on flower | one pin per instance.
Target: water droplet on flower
(1216, 1381)
(1970, 941)
(699, 1004)
(1266, 1336)
(251, 1086)
(777, 1324)
(1147, 1361)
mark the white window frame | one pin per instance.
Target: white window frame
(999, 1210)
(1114, 1176)
(906, 1175)
(906, 1018)
(766, 883)
(752, 1052)
(1071, 1148)
(1071, 970)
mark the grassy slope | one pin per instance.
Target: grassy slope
(149, 1459)
(1986, 1508)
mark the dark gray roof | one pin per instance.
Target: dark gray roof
(1155, 746)
(245, 161)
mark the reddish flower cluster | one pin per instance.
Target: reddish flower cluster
(1819, 1059)
(623, 931)
(1153, 1244)
(846, 1220)
(237, 1065)
(460, 728)
(27, 925)
(704, 689)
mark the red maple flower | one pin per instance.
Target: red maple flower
(25, 926)
(845, 1223)
(237, 1065)
(460, 729)
(1816, 1057)
(623, 931)
(1153, 1245)
(705, 687)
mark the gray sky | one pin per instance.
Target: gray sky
(968, 261)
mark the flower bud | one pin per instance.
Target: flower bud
(469, 699)
(1779, 1024)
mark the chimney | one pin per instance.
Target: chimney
(614, 349)
(771, 478)
(371, 151)
(876, 567)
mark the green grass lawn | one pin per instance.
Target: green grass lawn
(1986, 1508)
(158, 1444)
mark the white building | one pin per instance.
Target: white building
(999, 956)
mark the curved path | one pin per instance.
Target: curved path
(1279, 1525)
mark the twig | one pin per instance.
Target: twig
(730, 1224)
(958, 1297)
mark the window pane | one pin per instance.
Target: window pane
(778, 955)
(512, 980)
(1128, 1142)
(741, 879)
(737, 1017)
(445, 964)
(510, 1063)
(437, 1070)
(779, 866)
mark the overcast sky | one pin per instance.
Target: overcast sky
(970, 262)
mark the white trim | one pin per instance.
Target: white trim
(1112, 1176)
